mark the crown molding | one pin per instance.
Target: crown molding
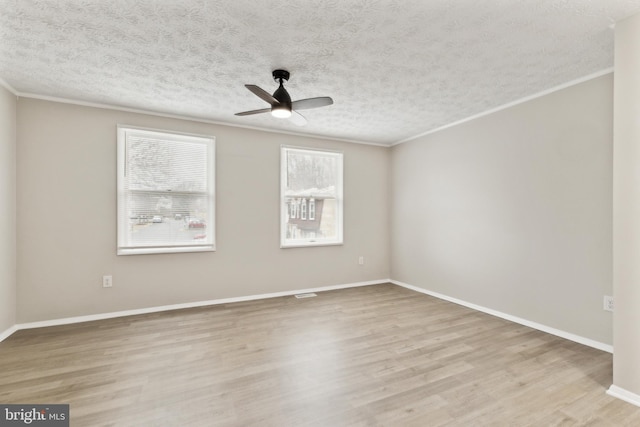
(7, 86)
(510, 104)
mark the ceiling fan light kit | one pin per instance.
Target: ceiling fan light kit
(280, 101)
(280, 112)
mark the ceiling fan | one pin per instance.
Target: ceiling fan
(280, 101)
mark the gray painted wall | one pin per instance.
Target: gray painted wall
(67, 211)
(7, 210)
(512, 211)
(626, 208)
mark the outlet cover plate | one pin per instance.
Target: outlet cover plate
(107, 281)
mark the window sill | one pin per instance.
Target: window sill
(175, 250)
(309, 244)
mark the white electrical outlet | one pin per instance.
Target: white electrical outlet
(107, 281)
(608, 303)
(361, 260)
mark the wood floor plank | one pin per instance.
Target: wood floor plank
(371, 356)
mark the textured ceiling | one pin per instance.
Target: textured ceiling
(395, 68)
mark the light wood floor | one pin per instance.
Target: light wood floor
(372, 356)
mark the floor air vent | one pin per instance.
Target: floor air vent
(307, 295)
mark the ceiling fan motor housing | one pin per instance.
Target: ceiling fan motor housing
(282, 96)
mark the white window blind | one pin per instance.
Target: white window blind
(165, 192)
(311, 208)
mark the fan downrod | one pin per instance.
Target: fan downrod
(279, 75)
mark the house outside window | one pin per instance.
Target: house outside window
(312, 210)
(311, 180)
(165, 192)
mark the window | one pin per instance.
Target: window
(312, 210)
(165, 192)
(311, 197)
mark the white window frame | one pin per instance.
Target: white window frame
(284, 209)
(312, 209)
(123, 245)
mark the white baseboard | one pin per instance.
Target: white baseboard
(111, 315)
(563, 334)
(623, 394)
(6, 334)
